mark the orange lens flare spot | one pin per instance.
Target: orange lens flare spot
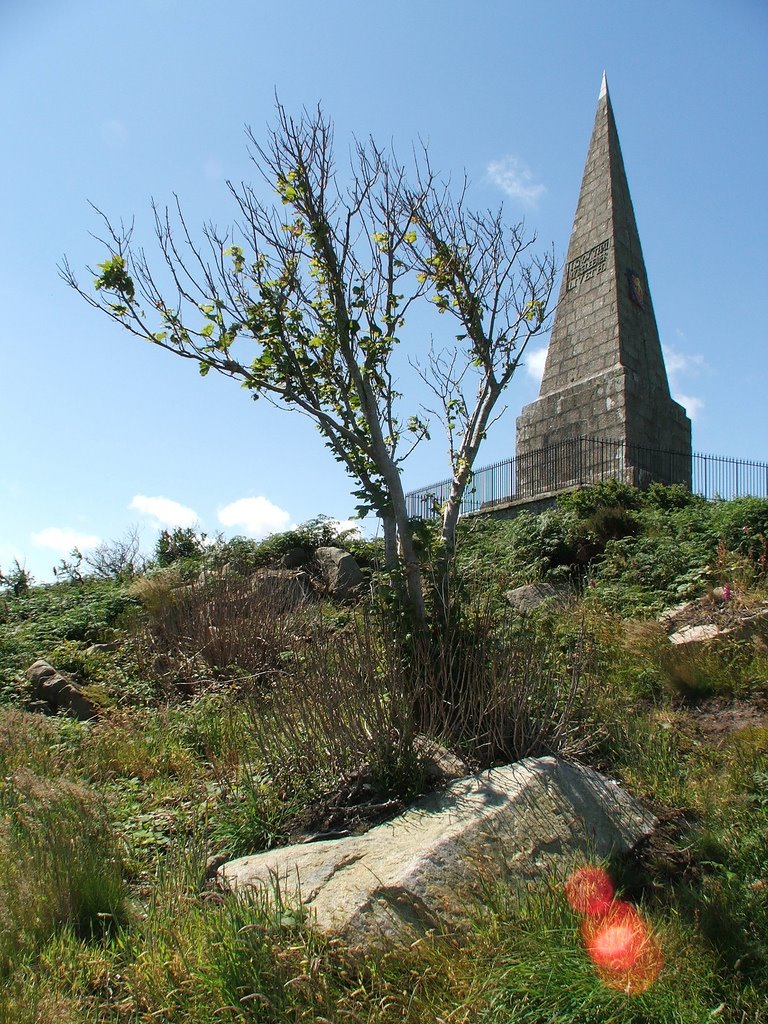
(623, 948)
(589, 890)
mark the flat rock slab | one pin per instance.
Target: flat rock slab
(421, 870)
(531, 596)
(695, 634)
(740, 629)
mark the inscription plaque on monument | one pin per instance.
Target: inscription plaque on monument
(636, 290)
(584, 267)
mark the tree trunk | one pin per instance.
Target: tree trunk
(390, 542)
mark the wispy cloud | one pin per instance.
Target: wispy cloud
(514, 177)
(682, 362)
(62, 540)
(347, 525)
(690, 403)
(534, 361)
(164, 511)
(684, 365)
(258, 517)
(10, 553)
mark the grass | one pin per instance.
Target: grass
(59, 863)
(107, 825)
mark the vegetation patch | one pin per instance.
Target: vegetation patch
(235, 722)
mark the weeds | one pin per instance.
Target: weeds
(59, 863)
(347, 703)
(502, 689)
(218, 624)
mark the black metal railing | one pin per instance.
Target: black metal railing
(580, 461)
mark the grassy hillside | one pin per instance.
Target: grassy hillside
(218, 735)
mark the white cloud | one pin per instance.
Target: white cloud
(515, 178)
(345, 525)
(682, 364)
(258, 517)
(10, 553)
(690, 403)
(62, 540)
(535, 358)
(164, 511)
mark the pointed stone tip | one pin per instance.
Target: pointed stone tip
(603, 87)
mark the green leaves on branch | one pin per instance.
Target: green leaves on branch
(115, 278)
(534, 311)
(418, 427)
(238, 261)
(287, 187)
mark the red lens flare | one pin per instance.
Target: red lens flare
(623, 948)
(589, 890)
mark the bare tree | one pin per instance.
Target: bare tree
(305, 300)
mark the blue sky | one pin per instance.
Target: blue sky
(117, 104)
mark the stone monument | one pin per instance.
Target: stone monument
(604, 397)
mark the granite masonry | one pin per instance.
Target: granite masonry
(604, 376)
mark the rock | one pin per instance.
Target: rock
(695, 634)
(59, 692)
(420, 870)
(670, 618)
(212, 865)
(340, 572)
(749, 625)
(438, 763)
(284, 589)
(294, 557)
(107, 648)
(525, 599)
(740, 629)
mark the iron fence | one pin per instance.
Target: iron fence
(581, 461)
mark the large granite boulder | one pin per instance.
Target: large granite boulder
(531, 596)
(420, 870)
(282, 589)
(340, 572)
(59, 692)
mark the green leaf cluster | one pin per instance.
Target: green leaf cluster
(114, 277)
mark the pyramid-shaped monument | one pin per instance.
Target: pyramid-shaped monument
(604, 377)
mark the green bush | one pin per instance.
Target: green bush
(84, 613)
(182, 544)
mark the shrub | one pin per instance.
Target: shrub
(526, 549)
(219, 623)
(607, 494)
(315, 533)
(503, 686)
(347, 704)
(91, 612)
(17, 580)
(357, 699)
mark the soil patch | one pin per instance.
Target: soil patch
(712, 610)
(353, 808)
(716, 718)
